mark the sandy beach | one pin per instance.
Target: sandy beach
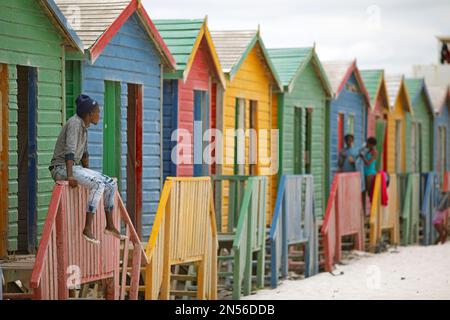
(403, 273)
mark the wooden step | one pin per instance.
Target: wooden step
(225, 274)
(183, 277)
(183, 293)
(141, 288)
(226, 237)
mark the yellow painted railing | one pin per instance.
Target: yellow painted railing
(184, 231)
(385, 218)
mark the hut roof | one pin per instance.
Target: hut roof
(375, 83)
(63, 24)
(289, 62)
(183, 37)
(97, 21)
(440, 96)
(339, 72)
(233, 48)
(415, 86)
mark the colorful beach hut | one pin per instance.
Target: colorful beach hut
(246, 104)
(188, 95)
(422, 130)
(122, 66)
(377, 116)
(399, 118)
(300, 113)
(440, 96)
(348, 109)
(32, 40)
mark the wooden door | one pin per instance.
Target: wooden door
(201, 125)
(27, 158)
(239, 140)
(380, 134)
(3, 160)
(253, 140)
(399, 146)
(298, 143)
(340, 132)
(112, 131)
(134, 155)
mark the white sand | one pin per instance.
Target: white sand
(410, 273)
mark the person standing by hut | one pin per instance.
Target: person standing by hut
(369, 155)
(348, 155)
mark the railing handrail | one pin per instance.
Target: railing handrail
(58, 212)
(278, 206)
(243, 214)
(46, 236)
(331, 199)
(232, 178)
(164, 198)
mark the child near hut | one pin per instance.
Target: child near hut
(71, 162)
(440, 216)
(369, 155)
(348, 155)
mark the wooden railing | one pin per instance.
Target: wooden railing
(245, 222)
(64, 259)
(409, 194)
(184, 231)
(384, 218)
(293, 222)
(430, 198)
(343, 217)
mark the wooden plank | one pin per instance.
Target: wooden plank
(62, 250)
(135, 274)
(4, 147)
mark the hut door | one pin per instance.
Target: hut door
(380, 133)
(340, 132)
(134, 155)
(253, 141)
(414, 158)
(73, 86)
(26, 151)
(239, 140)
(112, 130)
(3, 159)
(308, 142)
(298, 141)
(441, 152)
(398, 146)
(201, 124)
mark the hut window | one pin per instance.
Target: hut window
(350, 124)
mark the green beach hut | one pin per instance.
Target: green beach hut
(300, 113)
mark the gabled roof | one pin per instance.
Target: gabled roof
(97, 21)
(339, 72)
(440, 97)
(394, 83)
(183, 38)
(233, 48)
(415, 86)
(290, 62)
(375, 83)
(62, 23)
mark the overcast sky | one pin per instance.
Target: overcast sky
(386, 34)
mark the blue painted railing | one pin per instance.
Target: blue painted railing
(293, 222)
(430, 192)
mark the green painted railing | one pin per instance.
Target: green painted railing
(242, 220)
(409, 190)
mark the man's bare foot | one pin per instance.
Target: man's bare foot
(88, 236)
(115, 233)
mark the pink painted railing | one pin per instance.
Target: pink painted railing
(63, 254)
(343, 217)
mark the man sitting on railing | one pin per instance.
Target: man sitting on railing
(71, 161)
